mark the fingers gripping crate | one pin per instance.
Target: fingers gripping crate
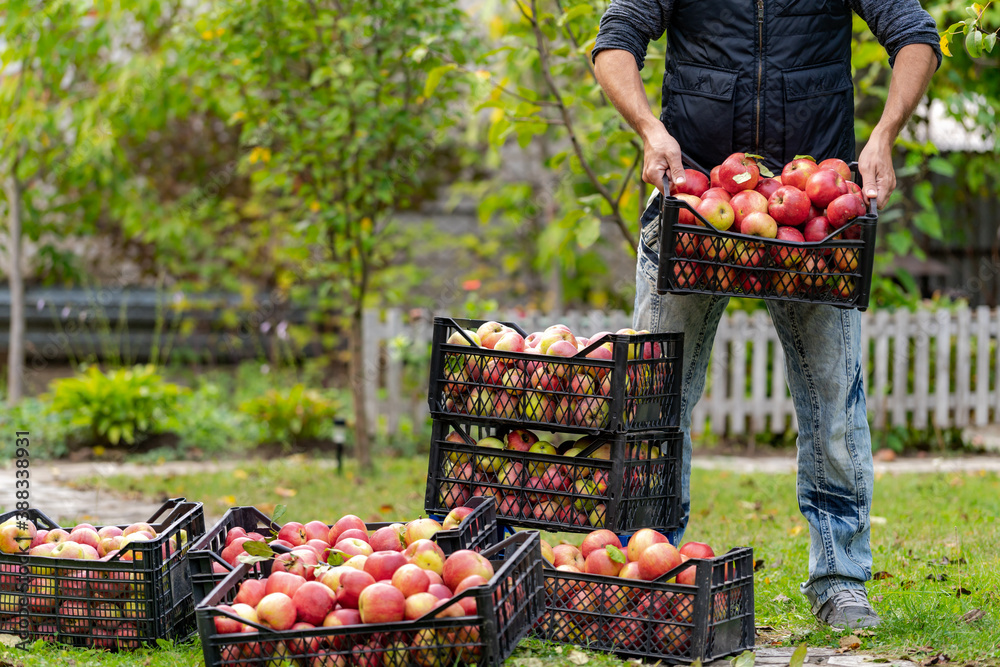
(655, 620)
(633, 386)
(477, 531)
(697, 258)
(633, 483)
(125, 600)
(506, 609)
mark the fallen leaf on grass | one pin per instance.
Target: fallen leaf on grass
(938, 659)
(798, 656)
(795, 530)
(285, 493)
(528, 662)
(849, 643)
(578, 658)
(385, 509)
(878, 576)
(960, 591)
(757, 564)
(937, 577)
(973, 615)
(781, 598)
(764, 628)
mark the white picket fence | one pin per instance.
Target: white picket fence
(924, 368)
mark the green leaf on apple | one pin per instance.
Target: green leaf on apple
(764, 171)
(247, 558)
(615, 554)
(258, 549)
(279, 514)
(336, 558)
(804, 157)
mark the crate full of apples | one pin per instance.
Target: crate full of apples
(496, 372)
(646, 599)
(109, 587)
(805, 235)
(469, 608)
(471, 525)
(557, 481)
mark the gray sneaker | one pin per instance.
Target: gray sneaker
(848, 610)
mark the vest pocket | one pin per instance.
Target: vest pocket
(809, 7)
(699, 111)
(819, 111)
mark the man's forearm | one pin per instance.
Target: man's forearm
(619, 77)
(911, 73)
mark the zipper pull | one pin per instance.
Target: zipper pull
(760, 11)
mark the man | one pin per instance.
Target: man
(773, 78)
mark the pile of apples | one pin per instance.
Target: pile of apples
(398, 575)
(536, 489)
(103, 605)
(536, 389)
(619, 614)
(806, 203)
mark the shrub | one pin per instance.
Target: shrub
(295, 416)
(52, 435)
(123, 406)
(212, 426)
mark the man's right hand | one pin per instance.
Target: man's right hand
(661, 155)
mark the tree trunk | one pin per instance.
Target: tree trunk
(15, 352)
(362, 446)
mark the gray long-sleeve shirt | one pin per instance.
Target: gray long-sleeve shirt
(630, 25)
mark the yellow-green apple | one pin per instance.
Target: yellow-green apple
(824, 186)
(356, 562)
(563, 413)
(785, 283)
(685, 214)
(716, 193)
(511, 341)
(596, 516)
(718, 213)
(695, 183)
(140, 527)
(16, 537)
(418, 605)
(845, 208)
(54, 536)
(767, 186)
(538, 468)
(515, 380)
(585, 487)
(454, 518)
(489, 333)
(510, 473)
(457, 338)
(465, 563)
(276, 611)
(480, 402)
(427, 555)
(789, 257)
(759, 224)
(642, 540)
(547, 553)
(738, 172)
(838, 166)
(598, 539)
(381, 603)
(797, 172)
(789, 205)
(283, 582)
(67, 549)
(843, 287)
(687, 274)
(658, 559)
(720, 277)
(313, 601)
(251, 592)
(745, 203)
(817, 229)
(555, 334)
(846, 259)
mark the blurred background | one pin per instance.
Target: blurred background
(228, 224)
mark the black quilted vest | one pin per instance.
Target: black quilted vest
(770, 77)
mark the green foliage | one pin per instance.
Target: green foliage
(211, 426)
(293, 416)
(52, 434)
(120, 407)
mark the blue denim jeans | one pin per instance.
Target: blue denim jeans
(822, 348)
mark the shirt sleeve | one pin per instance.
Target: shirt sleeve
(630, 25)
(899, 23)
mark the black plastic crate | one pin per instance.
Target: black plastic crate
(638, 388)
(110, 603)
(700, 259)
(477, 531)
(507, 608)
(637, 485)
(655, 620)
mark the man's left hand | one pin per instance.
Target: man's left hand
(878, 178)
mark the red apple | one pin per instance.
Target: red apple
(601, 561)
(465, 563)
(351, 585)
(313, 601)
(797, 172)
(346, 522)
(567, 554)
(511, 341)
(383, 564)
(419, 605)
(355, 534)
(283, 582)
(720, 214)
(785, 283)
(722, 278)
(788, 257)
(354, 547)
(767, 186)
(223, 625)
(440, 591)
(684, 214)
(695, 183)
(411, 580)
(817, 229)
(838, 166)
(824, 186)
(520, 440)
(387, 538)
(301, 561)
(294, 533)
(845, 208)
(251, 592)
(687, 274)
(276, 611)
(716, 193)
(426, 555)
(713, 177)
(789, 206)
(489, 333)
(455, 517)
(747, 202)
(696, 550)
(381, 603)
(641, 540)
(657, 559)
(739, 172)
(86, 536)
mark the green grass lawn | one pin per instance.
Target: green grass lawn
(936, 543)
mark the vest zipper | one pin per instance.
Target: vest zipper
(760, 69)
